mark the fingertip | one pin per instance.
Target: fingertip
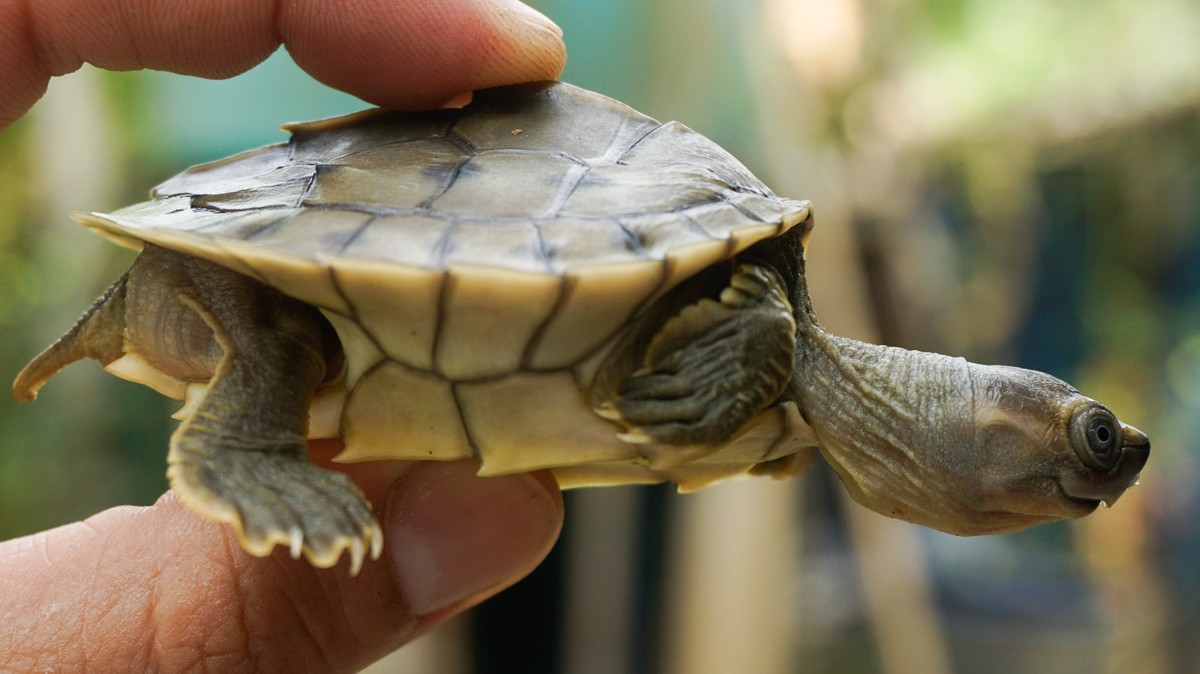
(452, 47)
(454, 538)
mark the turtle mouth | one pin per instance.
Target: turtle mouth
(1084, 492)
(1078, 505)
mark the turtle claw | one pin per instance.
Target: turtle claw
(355, 546)
(297, 542)
(636, 436)
(356, 556)
(276, 497)
(607, 410)
(376, 541)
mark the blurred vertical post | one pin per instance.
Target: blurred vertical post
(600, 596)
(732, 580)
(817, 48)
(77, 168)
(732, 566)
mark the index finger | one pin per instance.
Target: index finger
(406, 54)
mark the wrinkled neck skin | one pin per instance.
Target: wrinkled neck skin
(941, 442)
(897, 425)
(957, 446)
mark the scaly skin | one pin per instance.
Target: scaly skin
(241, 454)
(953, 445)
(923, 437)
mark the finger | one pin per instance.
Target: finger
(396, 53)
(444, 48)
(161, 589)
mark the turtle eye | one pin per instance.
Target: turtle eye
(1097, 438)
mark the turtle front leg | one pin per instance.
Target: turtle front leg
(241, 455)
(712, 366)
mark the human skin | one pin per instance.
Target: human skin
(158, 588)
(403, 54)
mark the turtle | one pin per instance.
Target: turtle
(542, 279)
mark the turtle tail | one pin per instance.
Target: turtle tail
(99, 333)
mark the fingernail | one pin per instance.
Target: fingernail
(459, 100)
(453, 536)
(529, 15)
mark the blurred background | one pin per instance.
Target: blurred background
(1013, 182)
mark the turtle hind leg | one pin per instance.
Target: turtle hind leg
(712, 366)
(271, 494)
(241, 457)
(241, 454)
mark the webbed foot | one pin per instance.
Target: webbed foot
(274, 495)
(712, 366)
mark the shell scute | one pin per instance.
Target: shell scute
(323, 140)
(565, 120)
(571, 243)
(429, 422)
(525, 186)
(785, 212)
(416, 240)
(280, 269)
(658, 234)
(674, 143)
(490, 406)
(395, 176)
(396, 307)
(289, 194)
(313, 231)
(480, 244)
(489, 316)
(720, 219)
(596, 303)
(248, 224)
(642, 189)
(254, 168)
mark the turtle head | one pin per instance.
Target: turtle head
(1046, 451)
(960, 447)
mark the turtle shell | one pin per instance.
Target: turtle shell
(475, 263)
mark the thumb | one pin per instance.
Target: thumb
(161, 589)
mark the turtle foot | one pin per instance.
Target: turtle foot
(711, 367)
(275, 496)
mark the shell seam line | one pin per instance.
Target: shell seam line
(439, 325)
(462, 421)
(565, 195)
(354, 315)
(266, 231)
(312, 184)
(362, 229)
(624, 153)
(387, 358)
(251, 269)
(539, 334)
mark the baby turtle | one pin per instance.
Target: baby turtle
(543, 279)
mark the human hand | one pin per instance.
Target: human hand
(403, 54)
(158, 588)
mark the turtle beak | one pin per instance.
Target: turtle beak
(1106, 489)
(1135, 449)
